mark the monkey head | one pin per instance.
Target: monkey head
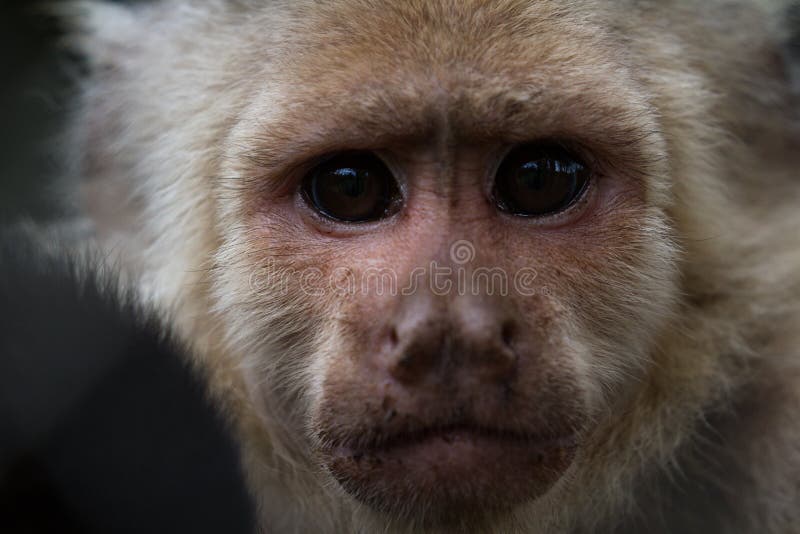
(439, 260)
(448, 261)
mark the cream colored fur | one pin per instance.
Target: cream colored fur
(707, 437)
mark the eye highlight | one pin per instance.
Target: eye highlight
(352, 187)
(539, 179)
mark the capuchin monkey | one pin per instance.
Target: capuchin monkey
(463, 266)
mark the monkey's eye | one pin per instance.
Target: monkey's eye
(352, 187)
(537, 180)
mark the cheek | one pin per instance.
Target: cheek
(613, 277)
(618, 282)
(293, 297)
(277, 325)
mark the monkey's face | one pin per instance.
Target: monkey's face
(445, 259)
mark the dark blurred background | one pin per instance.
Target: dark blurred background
(34, 98)
(102, 426)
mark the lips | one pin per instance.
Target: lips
(447, 469)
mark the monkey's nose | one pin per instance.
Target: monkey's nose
(468, 341)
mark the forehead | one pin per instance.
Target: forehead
(363, 72)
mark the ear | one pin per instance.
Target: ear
(784, 34)
(100, 31)
(792, 44)
(144, 146)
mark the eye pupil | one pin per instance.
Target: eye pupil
(532, 176)
(537, 180)
(351, 182)
(351, 187)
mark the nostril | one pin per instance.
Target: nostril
(507, 333)
(389, 340)
(407, 368)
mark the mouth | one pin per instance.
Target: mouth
(447, 469)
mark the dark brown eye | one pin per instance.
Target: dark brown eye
(352, 187)
(537, 180)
